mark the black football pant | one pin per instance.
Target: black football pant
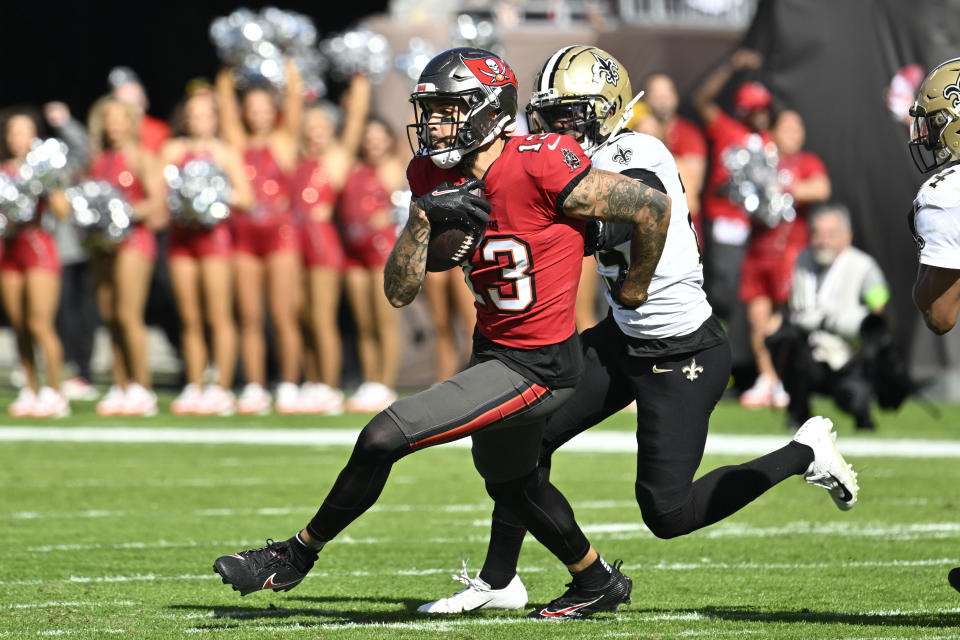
(674, 403)
(504, 413)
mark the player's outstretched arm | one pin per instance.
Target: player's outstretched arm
(936, 292)
(615, 198)
(403, 274)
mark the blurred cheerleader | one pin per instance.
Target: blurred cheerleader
(368, 235)
(266, 243)
(122, 275)
(30, 282)
(200, 261)
(325, 163)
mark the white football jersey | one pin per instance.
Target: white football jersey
(676, 303)
(936, 219)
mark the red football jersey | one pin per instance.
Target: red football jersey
(724, 132)
(525, 272)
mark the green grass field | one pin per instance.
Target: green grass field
(101, 539)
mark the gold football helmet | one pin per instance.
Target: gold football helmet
(935, 134)
(582, 91)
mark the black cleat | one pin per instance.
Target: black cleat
(578, 602)
(954, 578)
(254, 569)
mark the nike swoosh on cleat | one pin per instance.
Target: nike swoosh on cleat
(479, 606)
(657, 369)
(564, 612)
(270, 584)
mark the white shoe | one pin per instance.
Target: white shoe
(50, 404)
(253, 400)
(317, 398)
(188, 401)
(779, 397)
(139, 401)
(23, 406)
(77, 388)
(288, 398)
(371, 397)
(759, 395)
(828, 469)
(216, 401)
(113, 403)
(478, 595)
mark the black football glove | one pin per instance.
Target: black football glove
(454, 203)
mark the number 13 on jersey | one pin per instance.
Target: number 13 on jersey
(513, 290)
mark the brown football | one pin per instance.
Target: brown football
(450, 244)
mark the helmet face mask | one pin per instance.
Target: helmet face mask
(927, 146)
(473, 92)
(575, 116)
(582, 91)
(935, 132)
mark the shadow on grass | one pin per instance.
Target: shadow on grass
(353, 611)
(892, 618)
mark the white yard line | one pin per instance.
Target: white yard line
(590, 441)
(660, 566)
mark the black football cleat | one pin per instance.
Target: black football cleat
(578, 602)
(254, 569)
(954, 578)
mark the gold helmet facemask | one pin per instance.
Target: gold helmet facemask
(580, 91)
(935, 133)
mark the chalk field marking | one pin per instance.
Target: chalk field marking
(660, 566)
(590, 441)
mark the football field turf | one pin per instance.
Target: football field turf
(109, 528)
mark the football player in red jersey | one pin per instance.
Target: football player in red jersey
(538, 190)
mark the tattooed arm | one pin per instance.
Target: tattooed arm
(615, 198)
(407, 264)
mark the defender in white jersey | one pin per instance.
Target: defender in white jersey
(935, 218)
(670, 354)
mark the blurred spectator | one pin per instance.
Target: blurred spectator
(122, 273)
(30, 280)
(771, 252)
(368, 237)
(328, 150)
(681, 136)
(451, 301)
(126, 87)
(77, 317)
(728, 226)
(836, 288)
(266, 245)
(200, 263)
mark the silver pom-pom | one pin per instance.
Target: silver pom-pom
(101, 214)
(46, 166)
(257, 43)
(756, 183)
(400, 199)
(412, 61)
(17, 205)
(471, 32)
(199, 193)
(358, 51)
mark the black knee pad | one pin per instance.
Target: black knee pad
(381, 440)
(663, 521)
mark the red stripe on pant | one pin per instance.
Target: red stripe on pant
(500, 412)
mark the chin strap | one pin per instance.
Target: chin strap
(626, 116)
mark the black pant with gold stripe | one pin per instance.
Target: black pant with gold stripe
(505, 414)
